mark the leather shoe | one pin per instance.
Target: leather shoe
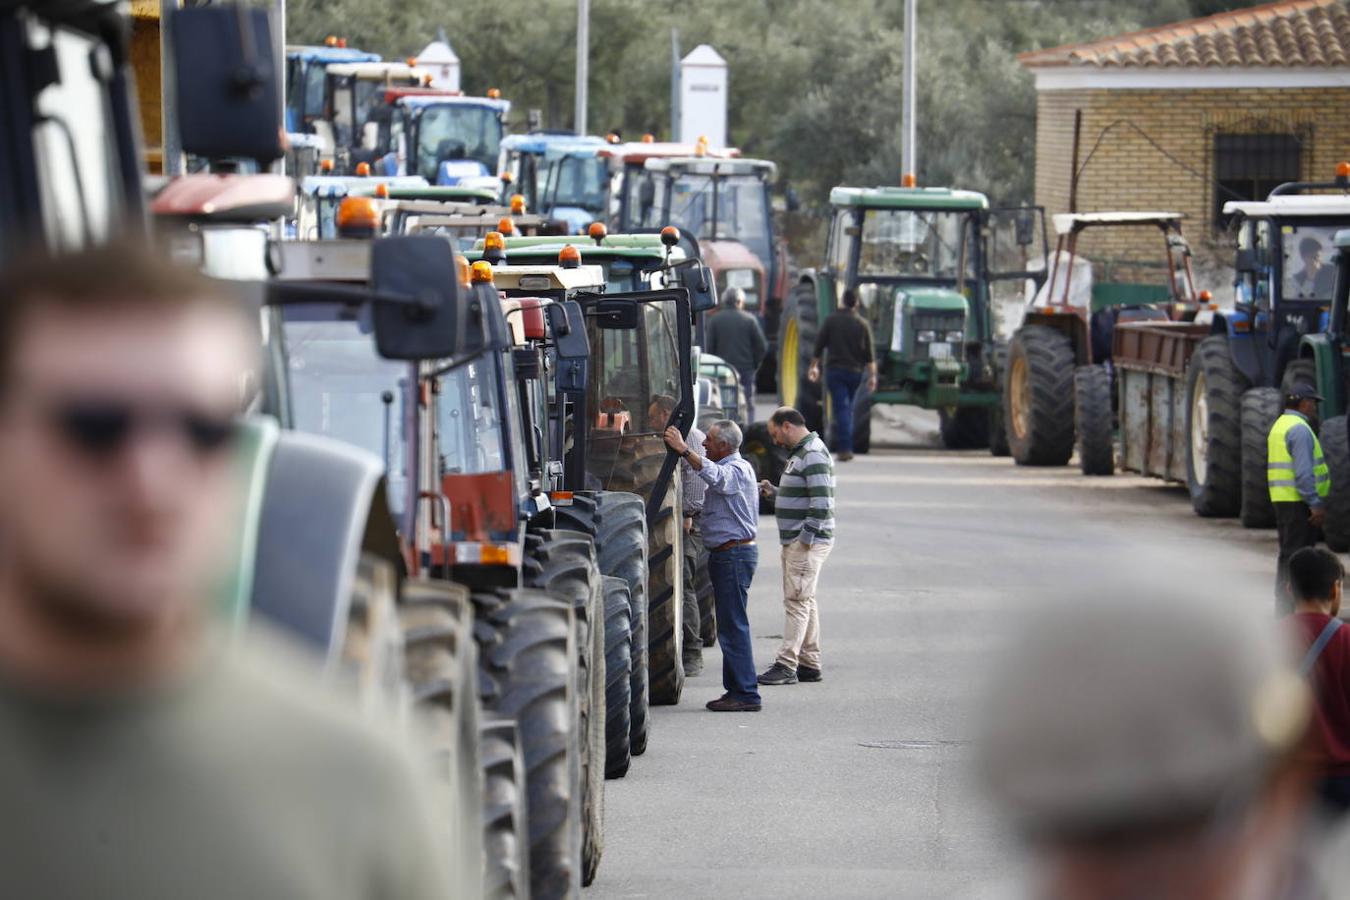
(731, 704)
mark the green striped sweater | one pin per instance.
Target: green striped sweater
(805, 502)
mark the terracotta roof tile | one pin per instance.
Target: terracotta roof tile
(1290, 33)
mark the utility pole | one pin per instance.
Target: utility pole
(583, 61)
(674, 84)
(909, 163)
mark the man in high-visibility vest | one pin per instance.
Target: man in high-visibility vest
(1299, 482)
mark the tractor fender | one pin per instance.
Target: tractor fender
(1326, 359)
(1237, 326)
(325, 504)
(1073, 325)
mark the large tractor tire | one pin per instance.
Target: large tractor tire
(665, 601)
(506, 828)
(1299, 371)
(796, 342)
(1038, 397)
(617, 522)
(618, 677)
(1335, 440)
(441, 666)
(372, 647)
(765, 457)
(1094, 420)
(862, 419)
(998, 429)
(563, 563)
(963, 428)
(528, 645)
(1260, 408)
(1214, 388)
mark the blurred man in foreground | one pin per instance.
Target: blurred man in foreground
(147, 761)
(1148, 750)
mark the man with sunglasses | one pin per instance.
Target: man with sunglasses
(138, 756)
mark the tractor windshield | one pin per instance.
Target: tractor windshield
(341, 388)
(906, 243)
(1309, 273)
(457, 131)
(723, 208)
(469, 421)
(581, 182)
(315, 83)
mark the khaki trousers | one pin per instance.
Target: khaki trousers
(801, 630)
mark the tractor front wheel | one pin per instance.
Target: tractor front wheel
(1260, 408)
(1094, 420)
(1038, 396)
(1214, 389)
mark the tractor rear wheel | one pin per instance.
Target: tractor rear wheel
(862, 419)
(1038, 396)
(617, 522)
(963, 427)
(441, 667)
(1094, 420)
(796, 344)
(618, 677)
(372, 647)
(1299, 371)
(1260, 408)
(563, 564)
(527, 642)
(1214, 388)
(765, 457)
(998, 430)
(506, 838)
(1335, 440)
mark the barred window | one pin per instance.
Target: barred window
(1250, 166)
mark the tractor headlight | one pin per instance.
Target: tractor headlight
(926, 337)
(954, 337)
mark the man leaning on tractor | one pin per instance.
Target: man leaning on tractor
(1299, 481)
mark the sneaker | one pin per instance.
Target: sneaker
(843, 456)
(778, 674)
(693, 664)
(806, 673)
(731, 704)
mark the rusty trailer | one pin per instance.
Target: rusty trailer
(1150, 360)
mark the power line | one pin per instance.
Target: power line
(1161, 150)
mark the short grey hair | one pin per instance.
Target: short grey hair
(728, 432)
(733, 296)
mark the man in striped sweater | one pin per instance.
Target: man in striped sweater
(804, 507)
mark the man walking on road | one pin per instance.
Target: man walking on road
(730, 519)
(735, 335)
(692, 490)
(1299, 482)
(845, 342)
(804, 507)
(150, 754)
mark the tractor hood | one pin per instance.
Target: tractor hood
(891, 309)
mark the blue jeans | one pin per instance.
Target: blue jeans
(747, 377)
(731, 572)
(843, 385)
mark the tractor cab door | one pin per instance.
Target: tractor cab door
(1014, 264)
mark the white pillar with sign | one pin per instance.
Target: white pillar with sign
(703, 97)
(442, 62)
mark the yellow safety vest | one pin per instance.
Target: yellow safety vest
(1280, 462)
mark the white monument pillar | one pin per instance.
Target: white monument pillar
(703, 97)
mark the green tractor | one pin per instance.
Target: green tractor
(928, 266)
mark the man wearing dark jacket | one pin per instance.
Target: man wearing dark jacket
(735, 335)
(845, 340)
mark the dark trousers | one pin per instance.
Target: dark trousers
(843, 387)
(693, 632)
(748, 389)
(731, 572)
(1296, 532)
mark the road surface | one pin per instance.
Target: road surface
(858, 786)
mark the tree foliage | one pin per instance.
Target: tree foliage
(814, 84)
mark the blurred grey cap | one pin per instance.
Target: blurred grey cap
(1112, 715)
(732, 296)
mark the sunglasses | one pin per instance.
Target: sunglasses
(102, 428)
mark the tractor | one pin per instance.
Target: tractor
(306, 82)
(447, 139)
(920, 262)
(560, 176)
(1059, 387)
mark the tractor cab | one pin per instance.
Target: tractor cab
(561, 176)
(356, 108)
(631, 190)
(445, 138)
(460, 214)
(306, 79)
(321, 197)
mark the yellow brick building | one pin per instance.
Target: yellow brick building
(1186, 116)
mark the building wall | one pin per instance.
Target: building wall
(1126, 171)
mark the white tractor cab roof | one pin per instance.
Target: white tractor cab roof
(705, 165)
(1287, 205)
(324, 260)
(1069, 222)
(376, 71)
(547, 278)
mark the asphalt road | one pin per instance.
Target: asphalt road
(858, 786)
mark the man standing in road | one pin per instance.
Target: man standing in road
(730, 519)
(804, 507)
(845, 342)
(735, 335)
(692, 491)
(150, 754)
(1299, 482)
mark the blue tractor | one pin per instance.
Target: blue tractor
(561, 176)
(306, 79)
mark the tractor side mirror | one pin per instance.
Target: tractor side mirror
(646, 196)
(226, 82)
(698, 281)
(1247, 262)
(1025, 226)
(417, 308)
(568, 327)
(615, 315)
